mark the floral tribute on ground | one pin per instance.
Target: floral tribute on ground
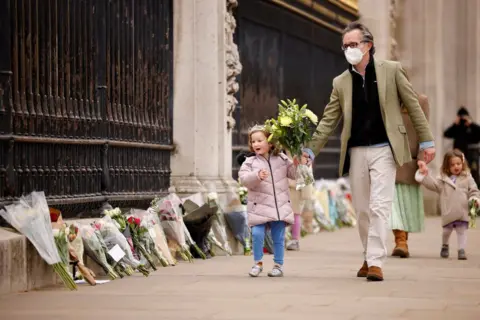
(125, 241)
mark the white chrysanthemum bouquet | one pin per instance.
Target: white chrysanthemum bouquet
(292, 130)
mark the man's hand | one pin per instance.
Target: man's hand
(263, 174)
(428, 154)
(422, 167)
(295, 161)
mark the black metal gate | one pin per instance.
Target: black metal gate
(85, 99)
(289, 49)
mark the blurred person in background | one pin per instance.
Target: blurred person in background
(465, 134)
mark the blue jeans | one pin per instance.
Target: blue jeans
(278, 236)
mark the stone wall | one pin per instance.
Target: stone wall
(21, 267)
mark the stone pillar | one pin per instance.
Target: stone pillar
(201, 125)
(375, 15)
(183, 161)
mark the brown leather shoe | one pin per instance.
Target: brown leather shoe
(362, 273)
(401, 246)
(374, 274)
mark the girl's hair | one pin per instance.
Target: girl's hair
(454, 154)
(260, 128)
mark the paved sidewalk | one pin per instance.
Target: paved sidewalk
(319, 283)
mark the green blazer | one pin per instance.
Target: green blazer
(393, 89)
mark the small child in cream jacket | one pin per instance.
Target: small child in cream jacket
(456, 188)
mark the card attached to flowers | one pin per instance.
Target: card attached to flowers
(116, 253)
(292, 130)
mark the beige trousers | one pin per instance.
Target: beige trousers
(372, 179)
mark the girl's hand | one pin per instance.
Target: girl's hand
(422, 167)
(263, 174)
(305, 160)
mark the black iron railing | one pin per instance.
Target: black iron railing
(85, 99)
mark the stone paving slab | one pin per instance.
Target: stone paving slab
(319, 283)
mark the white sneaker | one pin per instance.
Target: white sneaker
(293, 245)
(277, 271)
(256, 270)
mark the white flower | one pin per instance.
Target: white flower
(312, 116)
(212, 196)
(113, 212)
(285, 121)
(242, 191)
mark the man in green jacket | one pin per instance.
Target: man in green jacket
(374, 140)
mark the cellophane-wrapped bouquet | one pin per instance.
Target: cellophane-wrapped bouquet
(173, 226)
(160, 237)
(346, 213)
(198, 220)
(120, 221)
(147, 234)
(76, 250)
(218, 233)
(60, 237)
(95, 250)
(75, 241)
(180, 211)
(332, 208)
(320, 209)
(120, 266)
(139, 234)
(292, 130)
(112, 236)
(31, 217)
(235, 214)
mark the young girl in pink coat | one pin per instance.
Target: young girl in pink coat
(266, 174)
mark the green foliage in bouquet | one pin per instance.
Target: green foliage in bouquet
(61, 242)
(474, 210)
(293, 128)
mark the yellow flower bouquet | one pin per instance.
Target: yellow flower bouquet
(292, 130)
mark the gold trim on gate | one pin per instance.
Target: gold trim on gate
(310, 16)
(350, 6)
(329, 13)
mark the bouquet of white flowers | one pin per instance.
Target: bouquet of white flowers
(292, 130)
(31, 217)
(242, 193)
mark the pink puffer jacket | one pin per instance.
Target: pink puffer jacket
(268, 200)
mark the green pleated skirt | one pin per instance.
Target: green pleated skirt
(408, 213)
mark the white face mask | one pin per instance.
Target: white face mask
(354, 55)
